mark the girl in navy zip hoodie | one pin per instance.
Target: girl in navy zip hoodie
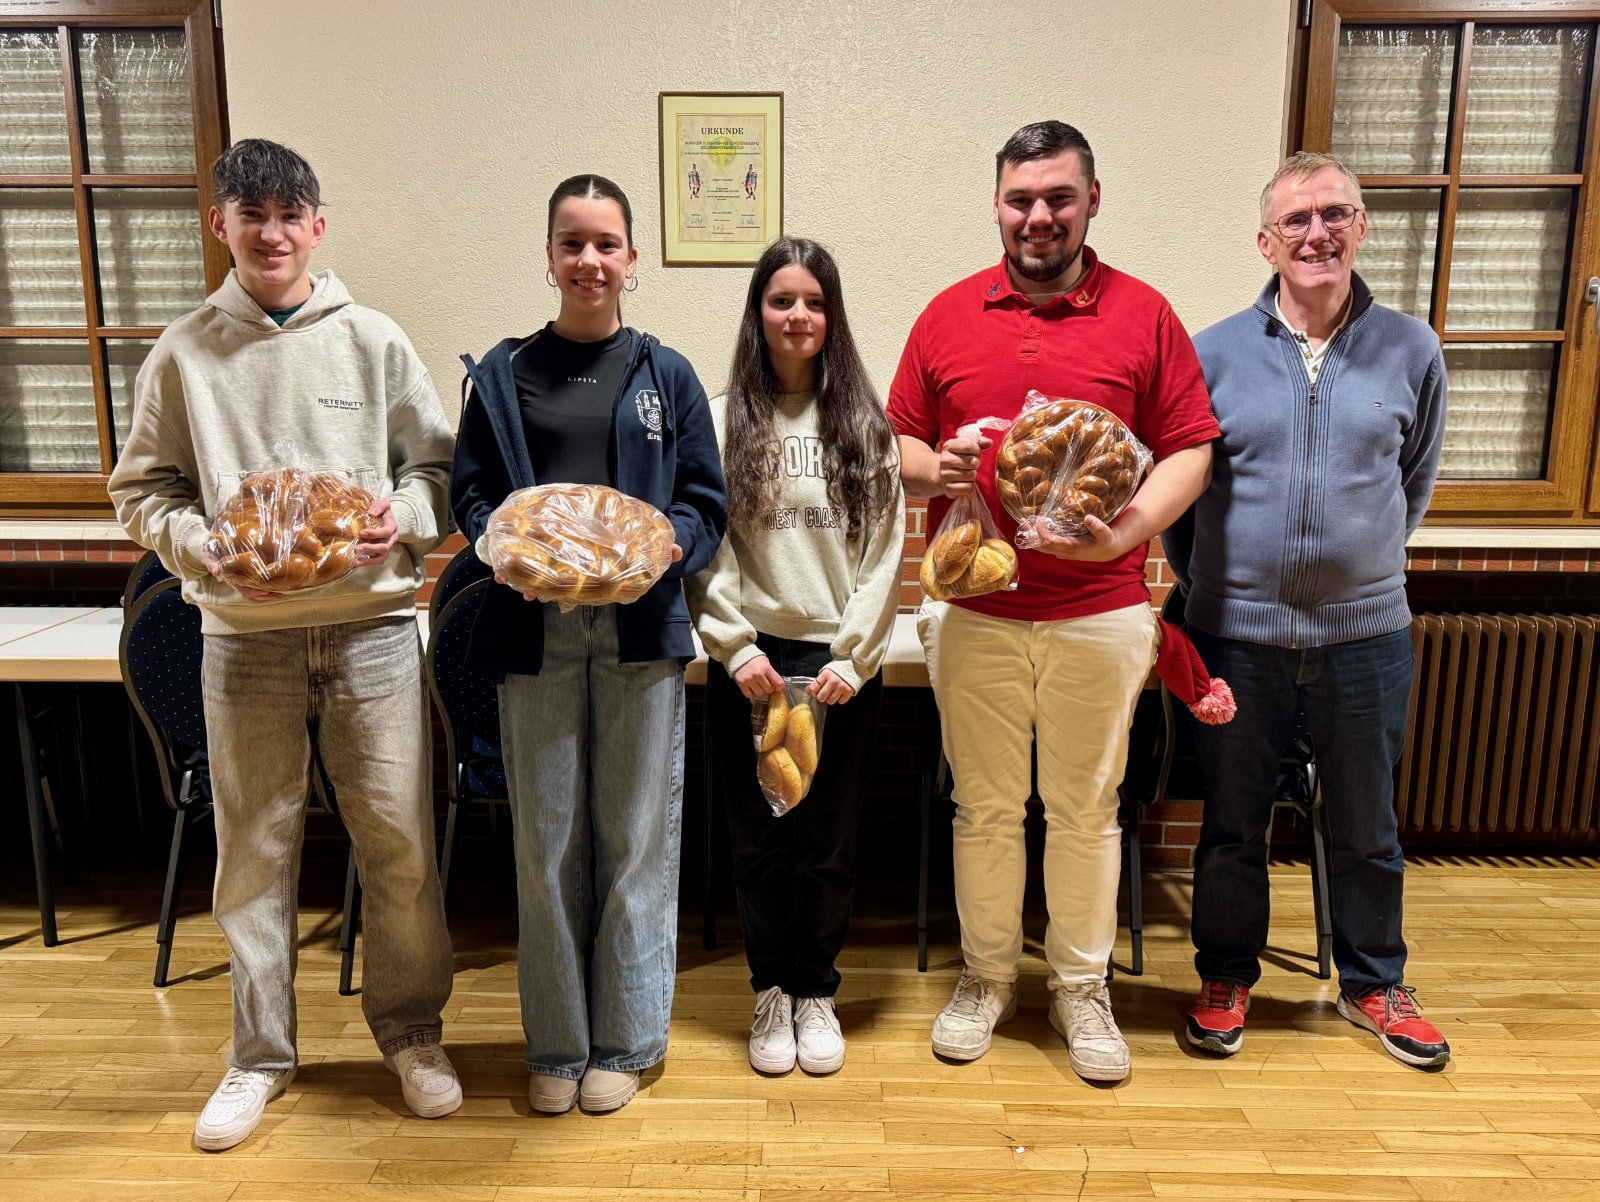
(591, 701)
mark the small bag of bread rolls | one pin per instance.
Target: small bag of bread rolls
(787, 729)
(288, 530)
(966, 557)
(1063, 461)
(577, 544)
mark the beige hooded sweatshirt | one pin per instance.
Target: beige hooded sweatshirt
(225, 393)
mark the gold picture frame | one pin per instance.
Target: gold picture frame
(721, 177)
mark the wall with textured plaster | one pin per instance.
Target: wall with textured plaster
(439, 128)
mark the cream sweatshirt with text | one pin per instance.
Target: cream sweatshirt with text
(792, 572)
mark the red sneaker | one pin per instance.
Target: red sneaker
(1216, 1020)
(1393, 1016)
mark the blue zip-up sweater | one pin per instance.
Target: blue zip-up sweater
(1300, 540)
(664, 451)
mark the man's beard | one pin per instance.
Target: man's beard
(1043, 270)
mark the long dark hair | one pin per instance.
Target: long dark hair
(858, 444)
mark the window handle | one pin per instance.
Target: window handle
(1591, 295)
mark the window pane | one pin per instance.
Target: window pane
(1509, 259)
(1525, 99)
(149, 243)
(33, 108)
(137, 113)
(1402, 242)
(1499, 410)
(47, 421)
(124, 357)
(1391, 99)
(41, 275)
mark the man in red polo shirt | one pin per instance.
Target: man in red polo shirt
(1060, 661)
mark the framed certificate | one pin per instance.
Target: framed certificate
(721, 177)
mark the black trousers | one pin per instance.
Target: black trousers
(795, 874)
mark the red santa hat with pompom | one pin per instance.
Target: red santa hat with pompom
(1181, 669)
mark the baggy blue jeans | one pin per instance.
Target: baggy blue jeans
(1354, 698)
(594, 766)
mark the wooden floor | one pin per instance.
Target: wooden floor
(101, 1075)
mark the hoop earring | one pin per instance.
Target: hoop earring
(550, 278)
(632, 285)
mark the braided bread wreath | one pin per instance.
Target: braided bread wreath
(1064, 461)
(577, 544)
(288, 530)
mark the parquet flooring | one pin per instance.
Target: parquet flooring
(101, 1075)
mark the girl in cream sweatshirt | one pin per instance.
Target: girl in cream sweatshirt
(805, 584)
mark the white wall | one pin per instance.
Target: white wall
(439, 128)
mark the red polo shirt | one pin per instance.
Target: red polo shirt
(977, 350)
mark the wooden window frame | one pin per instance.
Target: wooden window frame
(1569, 494)
(83, 494)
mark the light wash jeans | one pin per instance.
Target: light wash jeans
(1069, 687)
(594, 766)
(357, 689)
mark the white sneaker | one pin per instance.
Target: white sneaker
(427, 1080)
(234, 1110)
(551, 1095)
(607, 1089)
(965, 1028)
(1082, 1016)
(820, 1046)
(772, 1032)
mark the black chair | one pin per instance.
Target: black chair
(160, 656)
(44, 764)
(146, 574)
(470, 707)
(1153, 747)
(463, 569)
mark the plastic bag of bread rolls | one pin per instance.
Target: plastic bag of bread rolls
(787, 729)
(288, 530)
(577, 544)
(1064, 460)
(966, 557)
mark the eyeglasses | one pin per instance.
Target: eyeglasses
(1298, 225)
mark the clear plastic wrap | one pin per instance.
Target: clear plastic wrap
(577, 544)
(966, 557)
(787, 729)
(1064, 460)
(288, 530)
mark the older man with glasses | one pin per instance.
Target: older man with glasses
(1332, 413)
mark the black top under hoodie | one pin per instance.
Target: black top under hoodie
(664, 451)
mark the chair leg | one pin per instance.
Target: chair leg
(1321, 904)
(166, 928)
(38, 823)
(1135, 899)
(447, 850)
(348, 927)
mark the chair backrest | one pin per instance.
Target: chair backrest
(464, 568)
(467, 700)
(146, 574)
(160, 656)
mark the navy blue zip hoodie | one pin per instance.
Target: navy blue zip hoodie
(664, 452)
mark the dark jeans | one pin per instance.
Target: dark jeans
(795, 874)
(1353, 699)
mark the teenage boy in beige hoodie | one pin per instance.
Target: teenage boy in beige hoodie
(278, 354)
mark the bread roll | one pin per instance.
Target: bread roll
(780, 778)
(992, 568)
(929, 577)
(776, 723)
(953, 549)
(800, 740)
